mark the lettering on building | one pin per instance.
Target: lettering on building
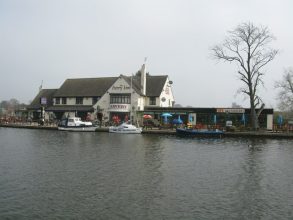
(118, 106)
(121, 87)
(231, 110)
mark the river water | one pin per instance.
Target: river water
(66, 175)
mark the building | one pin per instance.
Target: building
(124, 97)
(213, 117)
(130, 97)
(43, 100)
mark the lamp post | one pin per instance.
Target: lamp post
(43, 103)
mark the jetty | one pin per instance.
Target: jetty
(234, 134)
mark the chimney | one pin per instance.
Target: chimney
(143, 79)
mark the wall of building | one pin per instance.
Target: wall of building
(72, 101)
(270, 121)
(87, 101)
(166, 98)
(120, 87)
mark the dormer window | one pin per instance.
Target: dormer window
(57, 101)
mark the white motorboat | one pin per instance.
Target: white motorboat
(75, 124)
(125, 128)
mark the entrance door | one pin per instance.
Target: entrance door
(119, 117)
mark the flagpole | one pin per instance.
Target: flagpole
(131, 117)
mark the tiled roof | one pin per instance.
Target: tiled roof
(46, 93)
(85, 87)
(154, 84)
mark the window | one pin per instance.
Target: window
(57, 101)
(64, 101)
(95, 99)
(120, 98)
(152, 100)
(79, 100)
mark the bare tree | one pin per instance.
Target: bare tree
(285, 95)
(247, 46)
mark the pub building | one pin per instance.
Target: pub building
(123, 97)
(130, 97)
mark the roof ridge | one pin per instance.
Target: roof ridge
(104, 77)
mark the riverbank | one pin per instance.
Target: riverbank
(258, 134)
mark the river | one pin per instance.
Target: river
(67, 175)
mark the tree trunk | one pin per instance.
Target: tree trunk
(253, 116)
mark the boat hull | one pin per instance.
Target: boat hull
(125, 128)
(121, 131)
(84, 128)
(198, 133)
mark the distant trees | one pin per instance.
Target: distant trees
(178, 105)
(8, 107)
(285, 95)
(247, 46)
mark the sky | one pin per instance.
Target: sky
(51, 40)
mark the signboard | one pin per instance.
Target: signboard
(43, 101)
(120, 88)
(119, 107)
(231, 110)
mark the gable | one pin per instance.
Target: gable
(120, 86)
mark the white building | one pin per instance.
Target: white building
(123, 96)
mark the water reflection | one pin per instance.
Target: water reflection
(50, 174)
(249, 183)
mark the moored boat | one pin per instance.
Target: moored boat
(75, 124)
(199, 132)
(125, 128)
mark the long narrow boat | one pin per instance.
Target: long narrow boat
(199, 133)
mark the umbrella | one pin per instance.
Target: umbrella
(215, 119)
(190, 118)
(178, 121)
(243, 118)
(280, 120)
(147, 116)
(166, 115)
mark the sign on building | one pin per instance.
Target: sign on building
(231, 110)
(43, 101)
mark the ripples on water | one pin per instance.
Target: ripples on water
(63, 175)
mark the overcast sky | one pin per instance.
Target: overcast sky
(52, 40)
